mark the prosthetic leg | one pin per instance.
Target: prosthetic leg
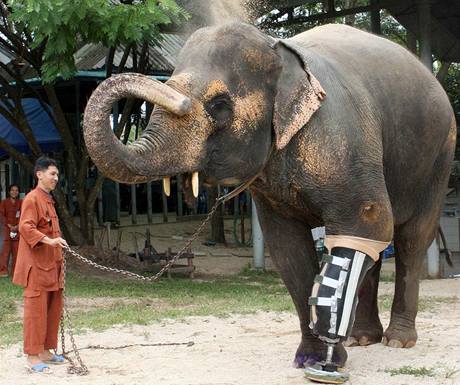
(334, 297)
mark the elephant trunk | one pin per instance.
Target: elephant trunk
(130, 163)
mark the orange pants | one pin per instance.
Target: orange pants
(9, 247)
(42, 312)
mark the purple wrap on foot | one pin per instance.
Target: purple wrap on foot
(302, 360)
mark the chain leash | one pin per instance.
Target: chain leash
(82, 369)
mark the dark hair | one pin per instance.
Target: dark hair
(13, 185)
(42, 164)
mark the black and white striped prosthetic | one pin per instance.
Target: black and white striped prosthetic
(334, 295)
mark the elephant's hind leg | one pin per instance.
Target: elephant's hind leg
(412, 240)
(410, 251)
(367, 328)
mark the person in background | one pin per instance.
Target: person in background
(10, 211)
(39, 269)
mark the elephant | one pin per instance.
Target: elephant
(334, 127)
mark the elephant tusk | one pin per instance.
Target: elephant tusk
(195, 184)
(167, 186)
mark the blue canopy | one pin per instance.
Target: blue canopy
(42, 126)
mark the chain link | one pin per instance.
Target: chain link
(82, 369)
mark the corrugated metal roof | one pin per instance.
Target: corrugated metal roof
(162, 55)
(5, 56)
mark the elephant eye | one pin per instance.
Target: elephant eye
(220, 108)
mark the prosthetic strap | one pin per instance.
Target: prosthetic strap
(334, 295)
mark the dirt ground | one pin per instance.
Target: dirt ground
(249, 349)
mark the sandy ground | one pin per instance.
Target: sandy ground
(251, 349)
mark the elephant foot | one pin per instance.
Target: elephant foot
(363, 335)
(399, 337)
(310, 354)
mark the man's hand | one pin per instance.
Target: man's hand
(55, 242)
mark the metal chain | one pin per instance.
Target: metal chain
(100, 347)
(82, 369)
(165, 267)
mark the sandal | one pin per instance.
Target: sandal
(56, 359)
(39, 368)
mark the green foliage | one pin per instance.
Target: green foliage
(62, 25)
(452, 86)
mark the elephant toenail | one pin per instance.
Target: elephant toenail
(351, 341)
(364, 341)
(395, 344)
(410, 344)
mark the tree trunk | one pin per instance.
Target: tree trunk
(72, 232)
(217, 222)
(443, 72)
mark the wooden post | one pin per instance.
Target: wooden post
(236, 207)
(136, 247)
(117, 193)
(120, 235)
(100, 208)
(149, 202)
(180, 209)
(107, 224)
(190, 263)
(168, 257)
(165, 206)
(133, 204)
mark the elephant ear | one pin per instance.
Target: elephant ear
(298, 96)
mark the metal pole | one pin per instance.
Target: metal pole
(433, 270)
(257, 240)
(375, 17)
(424, 27)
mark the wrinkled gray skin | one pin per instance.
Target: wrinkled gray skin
(372, 161)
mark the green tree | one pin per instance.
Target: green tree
(42, 37)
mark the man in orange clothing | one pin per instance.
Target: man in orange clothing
(10, 211)
(39, 269)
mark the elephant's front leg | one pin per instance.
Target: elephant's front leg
(293, 253)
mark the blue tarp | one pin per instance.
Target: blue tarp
(42, 126)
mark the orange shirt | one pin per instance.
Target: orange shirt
(9, 212)
(38, 266)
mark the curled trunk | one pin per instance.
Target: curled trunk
(132, 163)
